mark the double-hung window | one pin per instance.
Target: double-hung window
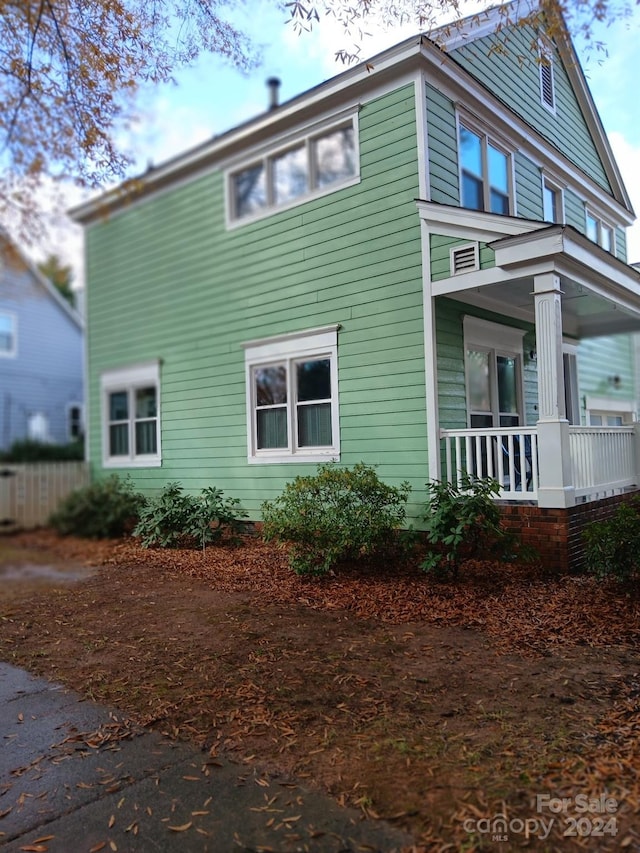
(306, 167)
(552, 202)
(600, 232)
(131, 416)
(292, 397)
(485, 173)
(8, 340)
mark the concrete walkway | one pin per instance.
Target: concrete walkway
(76, 777)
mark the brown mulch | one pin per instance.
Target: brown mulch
(436, 705)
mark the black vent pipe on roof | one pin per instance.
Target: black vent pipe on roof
(273, 84)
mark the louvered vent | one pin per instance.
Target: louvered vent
(464, 259)
(546, 84)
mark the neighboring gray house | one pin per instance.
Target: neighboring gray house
(41, 356)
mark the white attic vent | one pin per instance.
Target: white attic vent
(546, 85)
(464, 259)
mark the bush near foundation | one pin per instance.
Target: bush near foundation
(612, 547)
(334, 515)
(174, 518)
(107, 509)
(464, 521)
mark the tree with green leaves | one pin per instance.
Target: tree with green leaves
(60, 275)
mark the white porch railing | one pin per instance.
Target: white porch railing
(508, 455)
(603, 459)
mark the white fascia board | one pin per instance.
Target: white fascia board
(475, 280)
(484, 22)
(473, 224)
(569, 250)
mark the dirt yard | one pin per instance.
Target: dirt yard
(437, 706)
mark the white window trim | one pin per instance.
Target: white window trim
(12, 353)
(501, 340)
(502, 145)
(291, 141)
(610, 406)
(602, 223)
(290, 347)
(558, 188)
(128, 378)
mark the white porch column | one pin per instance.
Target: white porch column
(555, 485)
(430, 358)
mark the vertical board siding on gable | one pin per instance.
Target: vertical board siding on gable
(513, 76)
(443, 148)
(351, 257)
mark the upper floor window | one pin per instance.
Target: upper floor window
(292, 397)
(600, 232)
(131, 416)
(485, 173)
(552, 206)
(8, 341)
(318, 163)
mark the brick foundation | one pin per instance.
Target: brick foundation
(556, 534)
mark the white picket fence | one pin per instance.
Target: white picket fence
(31, 492)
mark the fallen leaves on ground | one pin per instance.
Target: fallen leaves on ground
(430, 704)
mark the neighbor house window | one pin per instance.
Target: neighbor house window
(485, 173)
(312, 165)
(8, 340)
(600, 232)
(75, 429)
(552, 202)
(131, 416)
(292, 397)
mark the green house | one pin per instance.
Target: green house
(419, 264)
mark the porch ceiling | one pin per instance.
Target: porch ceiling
(585, 314)
(600, 293)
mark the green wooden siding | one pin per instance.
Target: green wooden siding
(513, 76)
(440, 247)
(443, 148)
(599, 361)
(574, 213)
(169, 281)
(528, 187)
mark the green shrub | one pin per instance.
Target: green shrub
(612, 547)
(336, 514)
(28, 450)
(464, 521)
(106, 509)
(175, 518)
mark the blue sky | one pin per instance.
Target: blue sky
(212, 97)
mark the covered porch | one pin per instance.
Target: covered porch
(567, 289)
